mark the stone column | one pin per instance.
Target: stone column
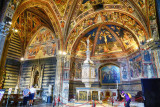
(65, 78)
(4, 44)
(57, 88)
(87, 95)
(99, 92)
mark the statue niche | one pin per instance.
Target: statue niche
(36, 76)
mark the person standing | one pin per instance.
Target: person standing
(54, 101)
(93, 103)
(58, 99)
(32, 95)
(127, 98)
(25, 96)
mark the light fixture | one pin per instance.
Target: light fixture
(10, 23)
(22, 59)
(16, 30)
(64, 53)
(60, 52)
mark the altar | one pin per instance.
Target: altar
(94, 93)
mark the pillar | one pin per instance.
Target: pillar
(57, 88)
(65, 78)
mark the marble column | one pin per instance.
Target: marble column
(58, 88)
(65, 85)
(4, 44)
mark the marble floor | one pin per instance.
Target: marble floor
(116, 104)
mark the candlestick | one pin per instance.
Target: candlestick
(117, 83)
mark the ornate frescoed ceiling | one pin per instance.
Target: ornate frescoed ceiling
(113, 26)
(107, 40)
(61, 5)
(29, 22)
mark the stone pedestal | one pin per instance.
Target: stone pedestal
(88, 69)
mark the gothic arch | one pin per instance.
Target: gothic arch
(45, 5)
(79, 29)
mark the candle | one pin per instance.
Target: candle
(117, 83)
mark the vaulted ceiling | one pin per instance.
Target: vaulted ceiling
(116, 28)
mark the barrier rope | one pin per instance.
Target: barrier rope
(109, 98)
(74, 106)
(100, 103)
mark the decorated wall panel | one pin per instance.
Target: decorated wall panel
(124, 71)
(42, 45)
(135, 65)
(110, 74)
(149, 68)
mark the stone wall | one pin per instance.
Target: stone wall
(48, 76)
(12, 66)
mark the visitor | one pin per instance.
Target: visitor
(32, 95)
(54, 101)
(58, 99)
(127, 99)
(93, 103)
(25, 96)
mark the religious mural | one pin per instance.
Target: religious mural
(148, 65)
(110, 74)
(81, 48)
(61, 5)
(124, 71)
(32, 21)
(78, 70)
(42, 45)
(109, 16)
(126, 37)
(152, 17)
(109, 39)
(106, 43)
(83, 95)
(141, 5)
(135, 65)
(147, 57)
(13, 4)
(149, 71)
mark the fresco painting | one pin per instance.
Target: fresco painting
(106, 42)
(147, 57)
(141, 5)
(14, 4)
(42, 45)
(126, 37)
(152, 10)
(135, 64)
(110, 74)
(124, 71)
(108, 16)
(61, 5)
(78, 70)
(149, 71)
(81, 48)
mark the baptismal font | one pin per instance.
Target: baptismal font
(88, 69)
